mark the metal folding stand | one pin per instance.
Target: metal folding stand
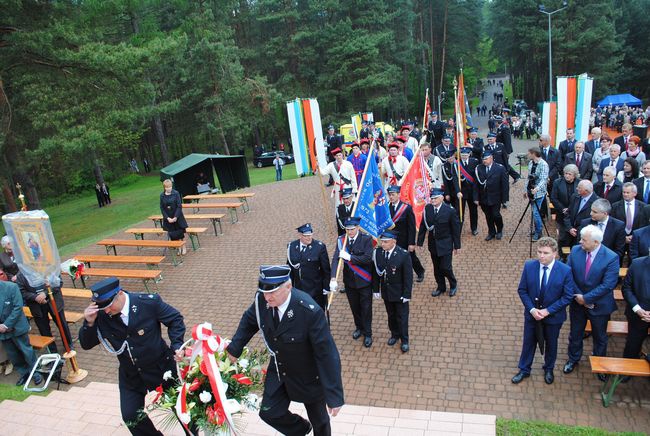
(53, 359)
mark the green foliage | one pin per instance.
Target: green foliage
(513, 427)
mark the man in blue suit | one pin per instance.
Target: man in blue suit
(595, 273)
(636, 290)
(640, 243)
(546, 288)
(614, 160)
(613, 229)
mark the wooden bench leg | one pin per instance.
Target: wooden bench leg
(607, 394)
(139, 236)
(245, 206)
(155, 223)
(83, 281)
(192, 241)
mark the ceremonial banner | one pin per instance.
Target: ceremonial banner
(549, 120)
(35, 250)
(573, 107)
(416, 186)
(372, 204)
(427, 110)
(313, 121)
(298, 138)
(367, 116)
(467, 115)
(583, 106)
(562, 110)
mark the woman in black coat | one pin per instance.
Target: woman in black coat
(171, 208)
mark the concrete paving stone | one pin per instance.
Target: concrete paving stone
(479, 419)
(450, 426)
(446, 416)
(370, 430)
(397, 431)
(485, 429)
(378, 420)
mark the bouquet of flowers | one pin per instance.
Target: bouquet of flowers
(210, 391)
(73, 267)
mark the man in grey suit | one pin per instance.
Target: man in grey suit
(580, 158)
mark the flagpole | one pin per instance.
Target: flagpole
(339, 266)
(459, 133)
(426, 105)
(323, 194)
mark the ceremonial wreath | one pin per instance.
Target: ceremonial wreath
(210, 392)
(73, 267)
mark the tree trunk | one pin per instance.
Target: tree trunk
(225, 143)
(160, 135)
(10, 200)
(444, 45)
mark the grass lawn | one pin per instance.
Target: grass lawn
(16, 393)
(512, 427)
(79, 222)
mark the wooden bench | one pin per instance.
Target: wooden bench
(618, 295)
(70, 317)
(142, 274)
(215, 218)
(232, 208)
(242, 196)
(75, 292)
(114, 243)
(622, 272)
(566, 251)
(39, 342)
(619, 368)
(192, 231)
(107, 258)
(614, 328)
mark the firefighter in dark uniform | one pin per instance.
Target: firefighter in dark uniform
(450, 178)
(491, 192)
(504, 137)
(445, 148)
(392, 279)
(404, 220)
(436, 127)
(333, 141)
(310, 265)
(344, 210)
(365, 132)
(305, 365)
(476, 143)
(441, 222)
(128, 326)
(357, 277)
(468, 166)
(496, 148)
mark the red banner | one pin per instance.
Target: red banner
(416, 186)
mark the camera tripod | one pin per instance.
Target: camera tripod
(532, 224)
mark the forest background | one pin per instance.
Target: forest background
(85, 86)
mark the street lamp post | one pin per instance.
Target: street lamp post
(543, 10)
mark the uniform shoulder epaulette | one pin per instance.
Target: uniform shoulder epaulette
(397, 247)
(319, 243)
(311, 306)
(148, 296)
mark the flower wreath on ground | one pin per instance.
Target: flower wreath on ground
(73, 267)
(210, 392)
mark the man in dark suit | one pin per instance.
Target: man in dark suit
(595, 273)
(496, 148)
(445, 149)
(310, 265)
(580, 207)
(567, 146)
(436, 127)
(344, 210)
(468, 166)
(14, 329)
(613, 229)
(594, 143)
(580, 158)
(552, 158)
(630, 211)
(476, 142)
(636, 290)
(128, 326)
(404, 220)
(623, 139)
(643, 183)
(610, 188)
(504, 137)
(546, 288)
(305, 365)
(640, 243)
(491, 191)
(614, 160)
(392, 280)
(357, 277)
(441, 222)
(563, 190)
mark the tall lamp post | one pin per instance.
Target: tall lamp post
(542, 9)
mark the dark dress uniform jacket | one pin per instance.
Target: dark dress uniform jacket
(151, 354)
(361, 256)
(445, 235)
(561, 198)
(477, 148)
(504, 137)
(405, 225)
(498, 152)
(496, 189)
(313, 272)
(396, 281)
(341, 215)
(11, 312)
(308, 362)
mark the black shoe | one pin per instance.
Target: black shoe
(549, 377)
(21, 381)
(602, 377)
(499, 236)
(626, 378)
(437, 293)
(367, 342)
(536, 237)
(356, 334)
(392, 341)
(569, 367)
(489, 237)
(342, 290)
(404, 348)
(420, 278)
(519, 377)
(474, 232)
(453, 291)
(38, 379)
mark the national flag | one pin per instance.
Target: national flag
(356, 125)
(464, 103)
(427, 110)
(372, 203)
(416, 186)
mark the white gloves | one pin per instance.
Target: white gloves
(376, 295)
(333, 285)
(325, 292)
(345, 255)
(405, 300)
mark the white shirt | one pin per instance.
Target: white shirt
(283, 307)
(604, 224)
(124, 313)
(548, 274)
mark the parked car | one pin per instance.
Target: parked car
(266, 159)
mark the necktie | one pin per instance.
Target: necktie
(606, 190)
(545, 153)
(435, 211)
(276, 317)
(303, 248)
(588, 265)
(646, 194)
(601, 226)
(464, 163)
(347, 210)
(578, 161)
(628, 218)
(596, 145)
(542, 287)
(386, 253)
(612, 162)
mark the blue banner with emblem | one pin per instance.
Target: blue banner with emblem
(372, 203)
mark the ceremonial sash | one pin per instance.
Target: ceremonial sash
(399, 212)
(465, 174)
(356, 269)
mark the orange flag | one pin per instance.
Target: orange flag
(416, 186)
